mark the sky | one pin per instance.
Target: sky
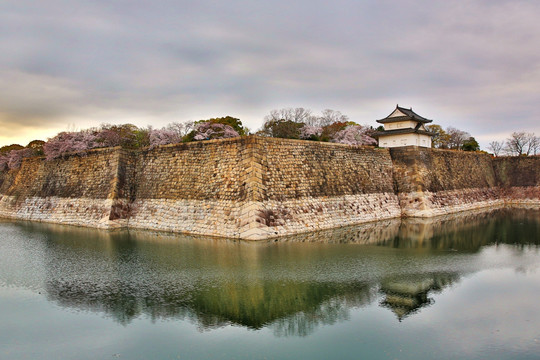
(66, 65)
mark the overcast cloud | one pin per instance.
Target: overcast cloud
(474, 65)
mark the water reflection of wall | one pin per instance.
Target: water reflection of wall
(212, 283)
(460, 232)
(288, 285)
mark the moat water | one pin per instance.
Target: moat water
(460, 287)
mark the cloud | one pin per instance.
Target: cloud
(471, 65)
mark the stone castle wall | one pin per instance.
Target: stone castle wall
(434, 170)
(434, 182)
(256, 188)
(197, 187)
(74, 190)
(519, 178)
(308, 186)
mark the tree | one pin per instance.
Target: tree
(163, 137)
(534, 144)
(470, 145)
(235, 123)
(286, 129)
(515, 144)
(16, 157)
(354, 135)
(108, 135)
(441, 139)
(4, 160)
(522, 143)
(182, 129)
(297, 115)
(37, 146)
(456, 138)
(210, 131)
(329, 131)
(65, 142)
(308, 132)
(13, 159)
(496, 147)
(281, 123)
(331, 116)
(6, 149)
(142, 137)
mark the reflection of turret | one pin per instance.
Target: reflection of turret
(406, 295)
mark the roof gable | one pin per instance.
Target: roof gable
(401, 114)
(397, 112)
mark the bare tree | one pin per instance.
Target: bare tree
(181, 129)
(298, 115)
(518, 143)
(306, 116)
(533, 144)
(496, 147)
(301, 115)
(456, 137)
(331, 116)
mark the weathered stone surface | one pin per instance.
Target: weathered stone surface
(256, 188)
(432, 182)
(76, 190)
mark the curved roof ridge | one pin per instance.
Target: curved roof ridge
(409, 115)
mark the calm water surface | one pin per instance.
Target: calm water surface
(461, 287)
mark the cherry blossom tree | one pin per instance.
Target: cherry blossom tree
(16, 157)
(163, 137)
(66, 142)
(354, 135)
(209, 131)
(13, 159)
(4, 162)
(308, 132)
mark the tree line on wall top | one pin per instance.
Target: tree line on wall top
(518, 144)
(289, 123)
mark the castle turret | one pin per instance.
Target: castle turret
(404, 127)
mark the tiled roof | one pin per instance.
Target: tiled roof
(409, 115)
(402, 131)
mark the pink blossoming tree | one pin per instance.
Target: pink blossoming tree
(163, 137)
(4, 162)
(65, 142)
(309, 132)
(354, 135)
(13, 159)
(209, 131)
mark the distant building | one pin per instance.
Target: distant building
(404, 127)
